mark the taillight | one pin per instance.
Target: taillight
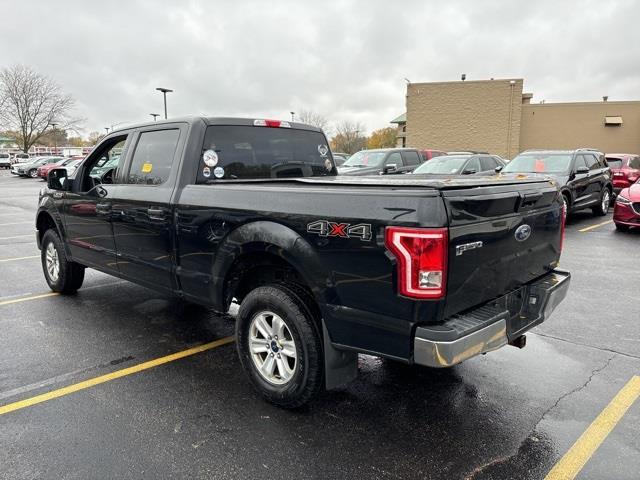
(421, 254)
(564, 222)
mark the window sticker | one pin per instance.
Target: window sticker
(327, 165)
(218, 172)
(206, 171)
(323, 150)
(210, 158)
(147, 167)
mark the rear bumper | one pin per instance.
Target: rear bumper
(492, 325)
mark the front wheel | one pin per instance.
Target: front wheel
(62, 275)
(279, 345)
(33, 173)
(605, 202)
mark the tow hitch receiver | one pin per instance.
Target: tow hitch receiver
(519, 342)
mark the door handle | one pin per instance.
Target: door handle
(156, 213)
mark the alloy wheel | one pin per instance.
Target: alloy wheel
(272, 348)
(53, 262)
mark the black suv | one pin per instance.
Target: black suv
(583, 175)
(382, 161)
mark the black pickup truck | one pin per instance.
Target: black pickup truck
(216, 210)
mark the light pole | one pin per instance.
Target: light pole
(55, 141)
(154, 115)
(164, 93)
(293, 114)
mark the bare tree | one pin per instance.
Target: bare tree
(315, 119)
(31, 103)
(349, 137)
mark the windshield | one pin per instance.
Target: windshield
(614, 162)
(234, 152)
(447, 165)
(365, 158)
(539, 163)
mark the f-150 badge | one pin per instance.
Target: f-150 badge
(325, 228)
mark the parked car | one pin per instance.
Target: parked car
(30, 169)
(625, 168)
(460, 165)
(339, 158)
(324, 266)
(72, 166)
(626, 212)
(43, 170)
(20, 158)
(583, 175)
(429, 154)
(382, 161)
(5, 160)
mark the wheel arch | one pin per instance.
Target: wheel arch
(255, 251)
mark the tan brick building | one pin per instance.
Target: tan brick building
(496, 116)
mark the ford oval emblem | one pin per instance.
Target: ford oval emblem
(523, 232)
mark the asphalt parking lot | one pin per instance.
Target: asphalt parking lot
(121, 382)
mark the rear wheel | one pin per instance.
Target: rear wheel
(62, 275)
(279, 345)
(33, 173)
(605, 202)
(621, 227)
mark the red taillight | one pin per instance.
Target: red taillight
(564, 221)
(421, 254)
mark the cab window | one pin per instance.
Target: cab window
(103, 164)
(592, 162)
(411, 158)
(472, 165)
(394, 159)
(153, 157)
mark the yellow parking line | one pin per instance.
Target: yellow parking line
(586, 229)
(26, 299)
(18, 258)
(12, 407)
(570, 465)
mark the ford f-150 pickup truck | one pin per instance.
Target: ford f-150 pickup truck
(215, 210)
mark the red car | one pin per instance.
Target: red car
(625, 169)
(43, 171)
(626, 212)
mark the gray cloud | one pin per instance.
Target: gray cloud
(346, 60)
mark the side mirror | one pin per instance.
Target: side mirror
(498, 168)
(582, 170)
(57, 178)
(390, 168)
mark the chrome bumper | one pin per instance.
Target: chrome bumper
(490, 326)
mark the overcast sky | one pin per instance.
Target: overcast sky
(345, 60)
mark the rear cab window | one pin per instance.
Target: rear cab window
(614, 162)
(240, 152)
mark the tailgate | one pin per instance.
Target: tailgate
(500, 237)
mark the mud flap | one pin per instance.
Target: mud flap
(340, 366)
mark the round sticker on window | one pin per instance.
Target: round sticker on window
(218, 172)
(323, 150)
(210, 158)
(206, 171)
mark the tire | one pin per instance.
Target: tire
(605, 202)
(33, 173)
(567, 203)
(287, 381)
(621, 227)
(68, 276)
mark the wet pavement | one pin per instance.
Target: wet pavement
(510, 414)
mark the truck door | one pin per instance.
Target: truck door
(88, 207)
(143, 217)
